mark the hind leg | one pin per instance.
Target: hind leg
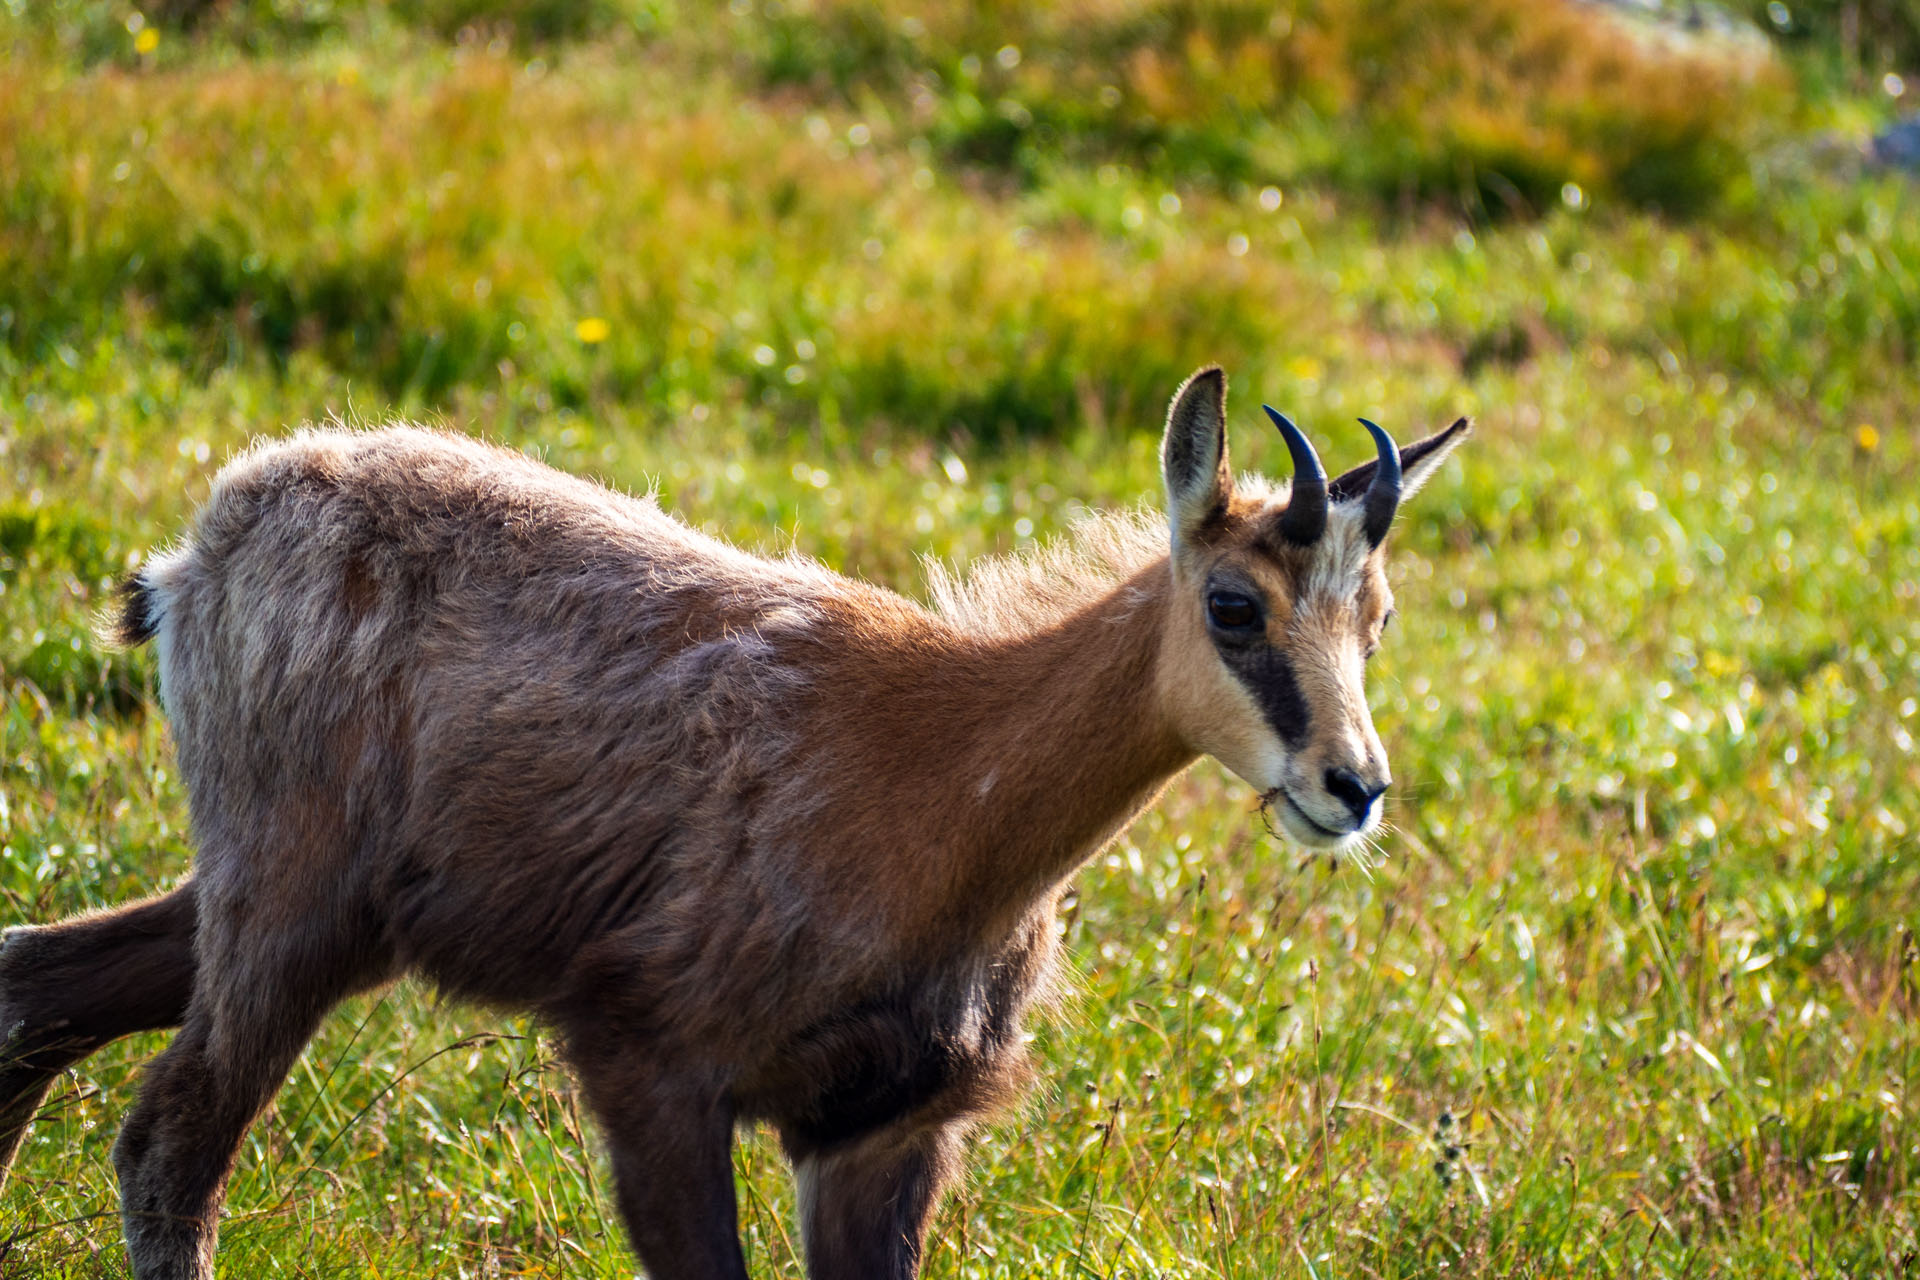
(865, 1209)
(269, 968)
(670, 1139)
(68, 989)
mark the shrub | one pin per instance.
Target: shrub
(1491, 105)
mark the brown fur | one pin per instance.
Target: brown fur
(761, 842)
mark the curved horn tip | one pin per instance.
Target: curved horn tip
(1305, 518)
(1389, 453)
(1382, 498)
(1296, 439)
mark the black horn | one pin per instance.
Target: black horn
(1383, 495)
(1305, 518)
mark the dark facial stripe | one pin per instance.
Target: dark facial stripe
(1268, 676)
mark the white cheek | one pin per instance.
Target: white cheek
(1218, 717)
(1262, 772)
(1253, 751)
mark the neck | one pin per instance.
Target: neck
(1004, 764)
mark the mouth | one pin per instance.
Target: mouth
(1300, 824)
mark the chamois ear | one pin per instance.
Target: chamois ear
(1418, 462)
(1193, 455)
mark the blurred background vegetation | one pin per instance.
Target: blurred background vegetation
(880, 279)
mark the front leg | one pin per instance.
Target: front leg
(670, 1139)
(865, 1207)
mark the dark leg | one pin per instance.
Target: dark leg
(671, 1143)
(865, 1209)
(268, 970)
(68, 989)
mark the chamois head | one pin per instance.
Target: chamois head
(1279, 598)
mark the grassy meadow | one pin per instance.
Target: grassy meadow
(1632, 992)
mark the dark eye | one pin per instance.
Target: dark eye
(1384, 622)
(1232, 611)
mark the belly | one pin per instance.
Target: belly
(944, 1045)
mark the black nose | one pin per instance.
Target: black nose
(1345, 786)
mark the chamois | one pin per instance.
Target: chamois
(758, 841)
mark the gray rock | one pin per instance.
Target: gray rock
(1695, 27)
(1898, 145)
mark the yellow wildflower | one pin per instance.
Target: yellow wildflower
(146, 40)
(1865, 438)
(592, 330)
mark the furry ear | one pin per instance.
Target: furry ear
(1418, 462)
(1193, 455)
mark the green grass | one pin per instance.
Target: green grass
(1632, 994)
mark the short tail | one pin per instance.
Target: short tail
(135, 619)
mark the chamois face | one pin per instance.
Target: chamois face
(1279, 597)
